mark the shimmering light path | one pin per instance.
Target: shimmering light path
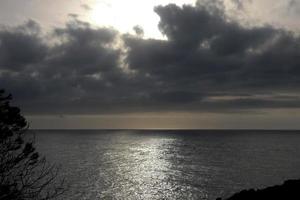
(170, 164)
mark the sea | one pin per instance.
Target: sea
(169, 164)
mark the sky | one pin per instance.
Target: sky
(155, 64)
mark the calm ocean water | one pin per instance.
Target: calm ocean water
(170, 164)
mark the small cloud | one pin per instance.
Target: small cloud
(240, 4)
(139, 31)
(86, 7)
(73, 15)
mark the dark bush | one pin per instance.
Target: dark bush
(24, 174)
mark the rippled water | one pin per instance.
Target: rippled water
(170, 164)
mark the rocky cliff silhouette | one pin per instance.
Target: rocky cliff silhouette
(289, 190)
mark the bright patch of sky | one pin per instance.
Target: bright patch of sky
(124, 15)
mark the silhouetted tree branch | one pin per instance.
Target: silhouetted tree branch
(24, 174)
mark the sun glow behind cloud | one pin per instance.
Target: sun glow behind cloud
(72, 63)
(124, 15)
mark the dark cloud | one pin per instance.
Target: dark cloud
(85, 51)
(21, 46)
(207, 53)
(208, 63)
(78, 64)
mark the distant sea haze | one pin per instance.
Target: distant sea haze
(182, 164)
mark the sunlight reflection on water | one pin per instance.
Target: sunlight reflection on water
(169, 165)
(143, 170)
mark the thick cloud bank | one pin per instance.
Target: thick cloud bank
(208, 63)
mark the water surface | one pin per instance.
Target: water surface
(170, 164)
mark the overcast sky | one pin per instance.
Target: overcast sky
(152, 64)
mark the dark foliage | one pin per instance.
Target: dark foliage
(24, 174)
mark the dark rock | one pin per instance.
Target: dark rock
(288, 190)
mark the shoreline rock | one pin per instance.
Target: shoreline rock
(290, 189)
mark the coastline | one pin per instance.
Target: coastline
(288, 190)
